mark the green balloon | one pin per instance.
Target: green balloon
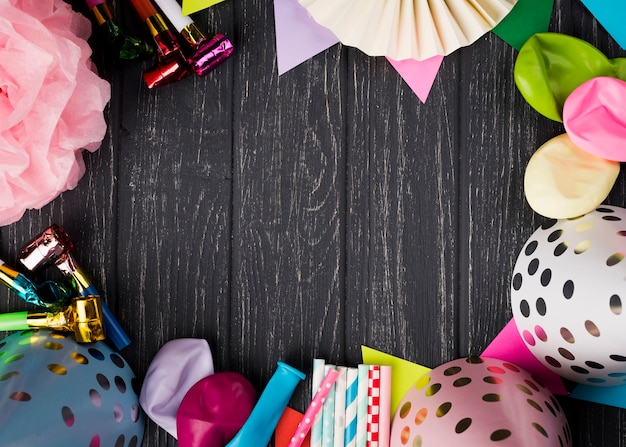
(550, 66)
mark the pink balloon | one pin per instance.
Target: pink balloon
(479, 402)
(214, 409)
(594, 119)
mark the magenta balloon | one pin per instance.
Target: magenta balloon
(214, 409)
(594, 119)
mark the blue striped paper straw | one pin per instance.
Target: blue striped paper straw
(318, 376)
(361, 410)
(328, 415)
(340, 407)
(352, 386)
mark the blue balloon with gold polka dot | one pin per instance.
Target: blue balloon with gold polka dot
(55, 392)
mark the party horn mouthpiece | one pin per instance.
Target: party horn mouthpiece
(83, 317)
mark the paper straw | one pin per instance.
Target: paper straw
(373, 405)
(340, 407)
(314, 408)
(361, 409)
(352, 386)
(328, 415)
(316, 428)
(384, 426)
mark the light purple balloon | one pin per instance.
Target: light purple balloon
(178, 365)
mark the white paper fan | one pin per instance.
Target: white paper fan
(408, 29)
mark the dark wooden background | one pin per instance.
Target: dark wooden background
(303, 216)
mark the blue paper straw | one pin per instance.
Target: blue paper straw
(352, 386)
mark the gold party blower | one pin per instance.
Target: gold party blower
(83, 317)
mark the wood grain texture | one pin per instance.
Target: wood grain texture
(283, 219)
(402, 214)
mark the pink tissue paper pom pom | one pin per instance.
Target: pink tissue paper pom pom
(51, 103)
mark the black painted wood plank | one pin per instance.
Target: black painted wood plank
(288, 199)
(402, 214)
(498, 133)
(174, 210)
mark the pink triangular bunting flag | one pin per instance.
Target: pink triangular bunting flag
(419, 75)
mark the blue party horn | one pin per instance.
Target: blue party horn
(258, 428)
(48, 294)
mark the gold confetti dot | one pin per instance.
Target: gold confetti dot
(582, 247)
(57, 369)
(433, 389)
(443, 409)
(79, 358)
(405, 409)
(54, 346)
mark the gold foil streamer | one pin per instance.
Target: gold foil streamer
(101, 13)
(83, 317)
(156, 24)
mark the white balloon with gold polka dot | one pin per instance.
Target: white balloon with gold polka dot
(55, 392)
(567, 290)
(479, 402)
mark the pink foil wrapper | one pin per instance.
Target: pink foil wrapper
(51, 103)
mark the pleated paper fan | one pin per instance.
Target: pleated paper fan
(408, 29)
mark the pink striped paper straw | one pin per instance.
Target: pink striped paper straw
(373, 406)
(384, 426)
(314, 408)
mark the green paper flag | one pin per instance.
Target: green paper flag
(191, 6)
(404, 374)
(525, 19)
